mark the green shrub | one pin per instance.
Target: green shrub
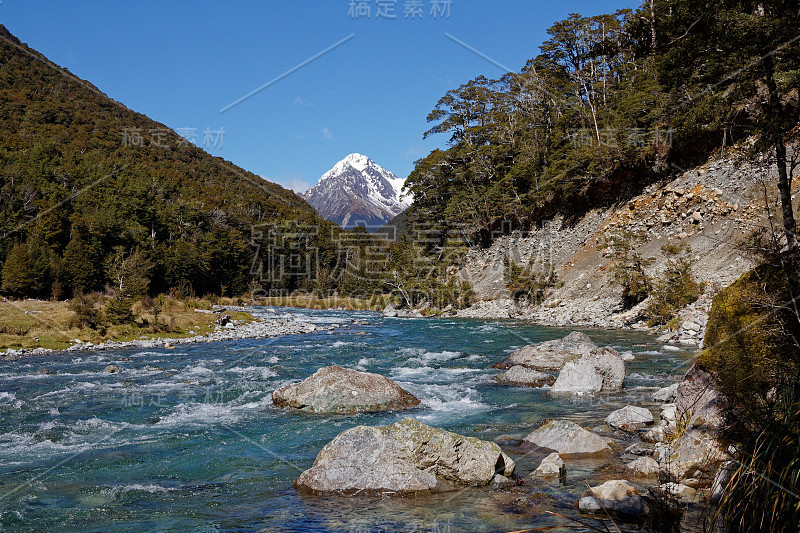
(752, 350)
(456, 293)
(87, 310)
(526, 285)
(747, 346)
(675, 288)
(628, 267)
(118, 310)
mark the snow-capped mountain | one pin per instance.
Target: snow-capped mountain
(358, 192)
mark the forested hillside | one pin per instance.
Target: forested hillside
(92, 193)
(611, 103)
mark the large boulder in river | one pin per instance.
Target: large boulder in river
(568, 439)
(630, 418)
(364, 459)
(550, 355)
(599, 370)
(521, 376)
(334, 389)
(408, 457)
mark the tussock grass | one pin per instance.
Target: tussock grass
(41, 324)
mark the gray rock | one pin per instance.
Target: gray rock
(721, 481)
(408, 457)
(502, 482)
(550, 355)
(521, 376)
(617, 497)
(695, 454)
(698, 396)
(335, 389)
(568, 439)
(630, 418)
(364, 459)
(643, 466)
(658, 433)
(667, 394)
(599, 370)
(665, 337)
(550, 467)
(682, 492)
(669, 413)
(638, 449)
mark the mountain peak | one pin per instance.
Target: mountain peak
(358, 192)
(355, 160)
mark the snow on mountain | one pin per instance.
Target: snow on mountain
(358, 192)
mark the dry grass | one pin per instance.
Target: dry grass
(40, 324)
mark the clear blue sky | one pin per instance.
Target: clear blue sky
(181, 62)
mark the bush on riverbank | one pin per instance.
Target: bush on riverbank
(675, 288)
(752, 349)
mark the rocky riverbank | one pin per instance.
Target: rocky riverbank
(711, 208)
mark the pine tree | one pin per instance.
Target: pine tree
(18, 272)
(79, 265)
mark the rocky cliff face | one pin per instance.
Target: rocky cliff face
(358, 192)
(713, 208)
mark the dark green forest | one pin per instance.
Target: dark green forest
(92, 193)
(610, 104)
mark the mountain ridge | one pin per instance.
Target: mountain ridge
(84, 180)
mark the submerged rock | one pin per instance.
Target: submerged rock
(502, 482)
(599, 370)
(568, 439)
(334, 389)
(521, 376)
(616, 496)
(408, 457)
(630, 418)
(550, 355)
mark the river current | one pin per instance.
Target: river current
(188, 439)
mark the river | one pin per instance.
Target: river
(188, 439)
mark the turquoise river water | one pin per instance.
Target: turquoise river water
(188, 439)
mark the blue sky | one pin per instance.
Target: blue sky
(182, 62)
